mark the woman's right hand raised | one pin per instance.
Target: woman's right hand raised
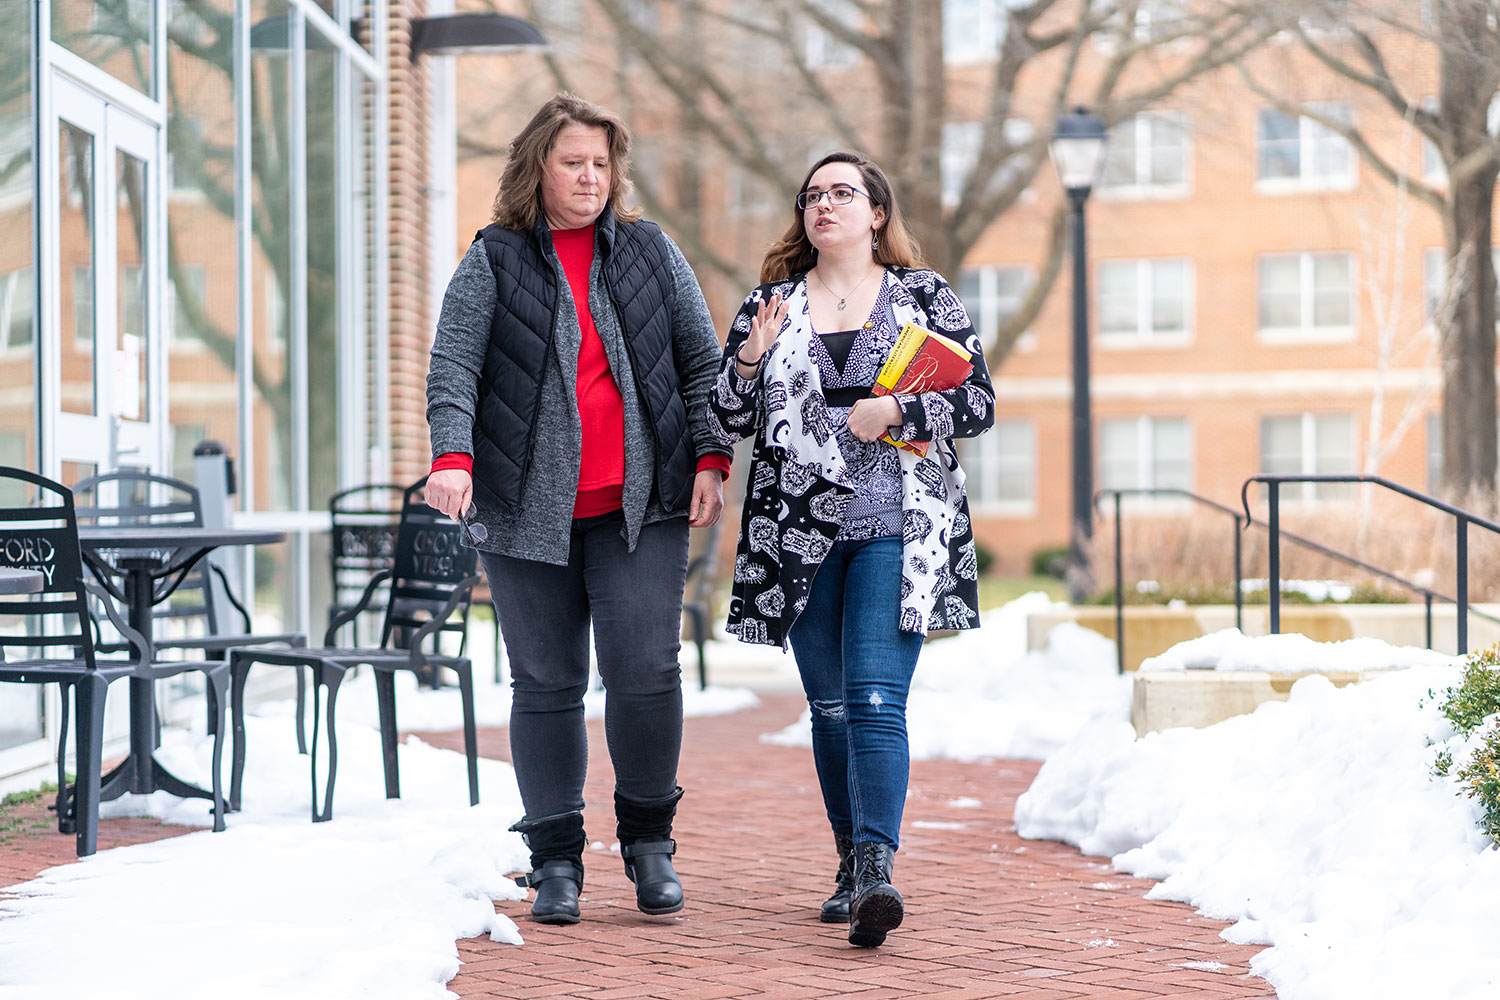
(449, 490)
(765, 327)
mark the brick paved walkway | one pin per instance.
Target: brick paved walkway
(988, 914)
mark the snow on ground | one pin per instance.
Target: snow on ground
(1314, 824)
(980, 694)
(368, 905)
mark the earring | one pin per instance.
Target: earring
(875, 241)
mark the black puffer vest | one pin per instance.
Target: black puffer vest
(637, 274)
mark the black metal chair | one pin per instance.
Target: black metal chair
(42, 534)
(362, 542)
(430, 584)
(130, 496)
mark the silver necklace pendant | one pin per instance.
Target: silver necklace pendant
(841, 305)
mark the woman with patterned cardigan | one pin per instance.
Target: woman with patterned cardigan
(850, 548)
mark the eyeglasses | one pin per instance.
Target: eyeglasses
(839, 194)
(474, 531)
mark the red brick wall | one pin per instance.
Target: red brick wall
(410, 322)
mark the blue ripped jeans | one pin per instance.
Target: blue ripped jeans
(856, 668)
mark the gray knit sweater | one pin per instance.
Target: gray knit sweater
(463, 333)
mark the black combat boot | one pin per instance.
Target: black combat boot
(557, 844)
(876, 907)
(646, 845)
(836, 907)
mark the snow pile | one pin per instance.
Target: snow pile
(1315, 824)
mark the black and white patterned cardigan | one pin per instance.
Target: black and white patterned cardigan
(796, 492)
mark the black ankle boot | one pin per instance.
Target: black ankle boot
(836, 907)
(876, 907)
(557, 844)
(646, 846)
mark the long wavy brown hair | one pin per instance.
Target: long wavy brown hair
(518, 203)
(794, 252)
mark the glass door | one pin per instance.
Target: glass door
(109, 302)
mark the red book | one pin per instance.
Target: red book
(921, 361)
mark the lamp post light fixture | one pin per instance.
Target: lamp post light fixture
(1078, 154)
(463, 34)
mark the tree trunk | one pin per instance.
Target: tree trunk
(1469, 442)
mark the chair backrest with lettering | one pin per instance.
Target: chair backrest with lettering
(362, 537)
(431, 559)
(133, 497)
(39, 531)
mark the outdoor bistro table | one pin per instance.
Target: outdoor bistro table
(14, 580)
(153, 560)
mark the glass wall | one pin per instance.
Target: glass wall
(20, 706)
(115, 35)
(203, 281)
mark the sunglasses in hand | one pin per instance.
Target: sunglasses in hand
(474, 531)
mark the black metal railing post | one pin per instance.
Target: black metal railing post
(1119, 592)
(1461, 588)
(1427, 599)
(1239, 574)
(1273, 570)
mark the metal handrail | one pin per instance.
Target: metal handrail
(1462, 520)
(1272, 526)
(1239, 603)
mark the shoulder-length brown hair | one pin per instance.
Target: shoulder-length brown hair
(518, 203)
(794, 252)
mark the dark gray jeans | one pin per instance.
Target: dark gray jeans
(634, 601)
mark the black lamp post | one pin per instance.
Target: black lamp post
(1078, 154)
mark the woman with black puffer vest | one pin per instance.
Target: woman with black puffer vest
(567, 402)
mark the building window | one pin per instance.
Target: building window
(992, 295)
(1302, 296)
(1148, 156)
(1145, 300)
(974, 29)
(1434, 453)
(1435, 281)
(1298, 152)
(83, 307)
(17, 309)
(1145, 453)
(824, 50)
(1159, 19)
(960, 155)
(189, 296)
(1309, 444)
(1001, 467)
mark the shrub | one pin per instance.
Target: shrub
(1466, 706)
(1477, 696)
(1050, 561)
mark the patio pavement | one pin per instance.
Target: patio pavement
(988, 914)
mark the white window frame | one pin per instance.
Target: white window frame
(986, 466)
(1141, 145)
(1310, 135)
(1146, 459)
(13, 284)
(987, 314)
(1144, 335)
(1306, 332)
(1307, 458)
(973, 30)
(821, 49)
(960, 155)
(1435, 281)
